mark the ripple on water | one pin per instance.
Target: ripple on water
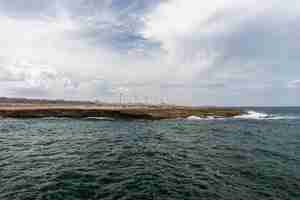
(168, 159)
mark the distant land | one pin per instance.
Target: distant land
(39, 108)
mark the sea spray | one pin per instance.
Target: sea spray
(253, 115)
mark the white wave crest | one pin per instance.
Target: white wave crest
(252, 115)
(54, 118)
(279, 117)
(100, 118)
(264, 116)
(196, 118)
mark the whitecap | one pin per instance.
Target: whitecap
(264, 116)
(196, 118)
(252, 115)
(281, 117)
(100, 118)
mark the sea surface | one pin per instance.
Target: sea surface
(254, 156)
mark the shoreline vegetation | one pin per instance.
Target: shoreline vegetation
(28, 108)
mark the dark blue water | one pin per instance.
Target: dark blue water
(250, 158)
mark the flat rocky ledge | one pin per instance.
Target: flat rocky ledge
(125, 112)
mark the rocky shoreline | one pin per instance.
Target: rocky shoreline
(124, 112)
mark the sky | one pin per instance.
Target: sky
(189, 52)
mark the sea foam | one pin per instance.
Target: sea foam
(100, 118)
(264, 116)
(196, 118)
(253, 115)
(250, 115)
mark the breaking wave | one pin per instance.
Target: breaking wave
(195, 118)
(264, 116)
(250, 115)
(100, 118)
(253, 115)
(86, 118)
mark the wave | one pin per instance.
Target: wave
(264, 116)
(86, 118)
(250, 115)
(195, 118)
(284, 117)
(55, 118)
(100, 118)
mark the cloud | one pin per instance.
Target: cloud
(294, 84)
(93, 52)
(194, 52)
(57, 46)
(248, 47)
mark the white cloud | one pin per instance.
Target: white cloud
(294, 84)
(247, 45)
(206, 51)
(50, 54)
(182, 26)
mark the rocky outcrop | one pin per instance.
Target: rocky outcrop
(152, 113)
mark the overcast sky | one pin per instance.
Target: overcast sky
(216, 52)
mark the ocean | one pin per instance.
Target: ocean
(254, 156)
